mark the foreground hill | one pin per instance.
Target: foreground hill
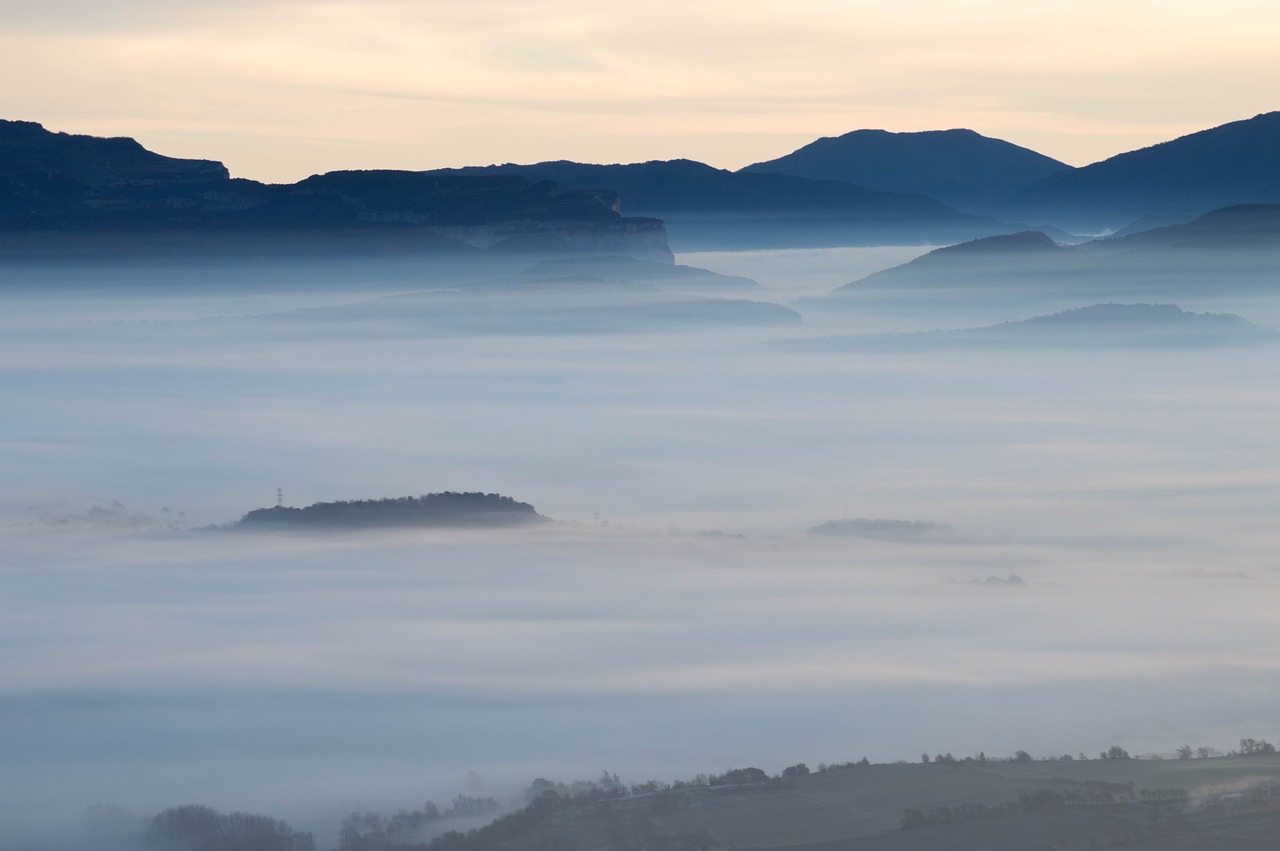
(446, 509)
(960, 168)
(1068, 804)
(706, 207)
(1236, 163)
(57, 189)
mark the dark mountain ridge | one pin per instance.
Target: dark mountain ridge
(1235, 163)
(706, 207)
(55, 184)
(960, 168)
(91, 188)
(576, 305)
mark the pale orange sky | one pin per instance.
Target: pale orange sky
(278, 90)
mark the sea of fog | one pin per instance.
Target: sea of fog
(1102, 569)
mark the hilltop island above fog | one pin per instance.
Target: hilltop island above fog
(448, 509)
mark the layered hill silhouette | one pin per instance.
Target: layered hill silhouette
(1235, 163)
(961, 168)
(1107, 325)
(55, 185)
(863, 188)
(706, 207)
(1228, 249)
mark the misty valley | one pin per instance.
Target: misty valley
(495, 521)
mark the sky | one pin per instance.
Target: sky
(279, 89)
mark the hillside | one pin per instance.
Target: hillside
(1099, 325)
(1067, 803)
(960, 168)
(575, 305)
(1005, 260)
(1253, 228)
(1235, 163)
(1232, 249)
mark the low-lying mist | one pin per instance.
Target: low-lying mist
(676, 618)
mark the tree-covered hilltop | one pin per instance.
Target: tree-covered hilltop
(1011, 803)
(433, 509)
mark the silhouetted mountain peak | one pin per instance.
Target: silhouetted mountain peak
(960, 167)
(1235, 163)
(1024, 242)
(719, 208)
(29, 152)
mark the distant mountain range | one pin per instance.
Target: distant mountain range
(872, 186)
(539, 301)
(960, 168)
(863, 188)
(1236, 163)
(1232, 248)
(706, 207)
(81, 185)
